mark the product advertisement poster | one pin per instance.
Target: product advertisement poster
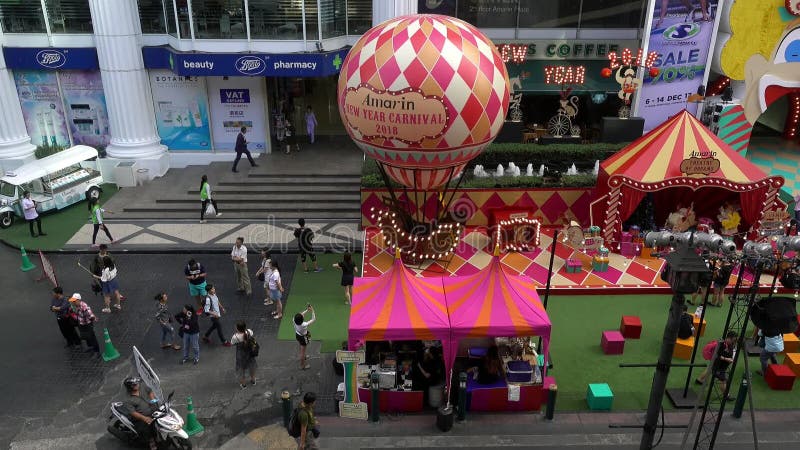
(235, 103)
(41, 107)
(181, 111)
(85, 107)
(682, 38)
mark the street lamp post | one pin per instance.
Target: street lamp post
(685, 271)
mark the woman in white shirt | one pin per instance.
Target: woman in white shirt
(244, 362)
(263, 271)
(275, 289)
(302, 335)
(109, 284)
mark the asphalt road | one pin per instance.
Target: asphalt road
(49, 390)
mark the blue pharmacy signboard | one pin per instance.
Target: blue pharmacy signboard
(244, 64)
(51, 58)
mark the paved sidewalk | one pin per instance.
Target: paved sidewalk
(218, 234)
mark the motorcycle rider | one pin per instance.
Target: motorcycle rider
(140, 409)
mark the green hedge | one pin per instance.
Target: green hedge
(557, 157)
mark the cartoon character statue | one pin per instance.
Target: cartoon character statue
(626, 77)
(730, 219)
(682, 219)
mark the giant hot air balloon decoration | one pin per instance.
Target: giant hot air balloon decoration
(422, 95)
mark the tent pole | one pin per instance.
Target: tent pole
(549, 279)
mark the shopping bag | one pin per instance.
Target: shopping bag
(210, 211)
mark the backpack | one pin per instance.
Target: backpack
(708, 350)
(294, 424)
(252, 346)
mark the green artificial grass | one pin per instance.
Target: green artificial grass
(324, 291)
(58, 225)
(578, 322)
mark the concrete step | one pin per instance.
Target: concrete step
(307, 192)
(321, 176)
(254, 204)
(267, 200)
(276, 214)
(291, 180)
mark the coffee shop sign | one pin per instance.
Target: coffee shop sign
(519, 52)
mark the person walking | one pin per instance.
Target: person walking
(96, 216)
(96, 267)
(109, 284)
(305, 243)
(164, 319)
(719, 368)
(291, 137)
(59, 305)
(349, 270)
(241, 147)
(797, 207)
(195, 274)
(239, 258)
(772, 346)
(205, 199)
(302, 335)
(311, 124)
(245, 362)
(214, 309)
(31, 215)
(308, 423)
(275, 289)
(85, 317)
(263, 272)
(190, 331)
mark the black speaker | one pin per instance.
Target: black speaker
(614, 129)
(445, 418)
(774, 316)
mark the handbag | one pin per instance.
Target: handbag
(261, 277)
(210, 209)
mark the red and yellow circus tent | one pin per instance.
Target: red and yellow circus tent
(681, 162)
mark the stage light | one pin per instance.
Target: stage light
(659, 239)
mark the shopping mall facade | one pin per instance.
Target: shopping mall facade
(170, 82)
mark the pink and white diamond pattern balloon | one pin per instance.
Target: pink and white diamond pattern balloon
(423, 95)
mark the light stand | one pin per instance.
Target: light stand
(685, 271)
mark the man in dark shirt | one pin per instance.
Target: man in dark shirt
(196, 275)
(59, 305)
(305, 237)
(686, 327)
(140, 409)
(241, 147)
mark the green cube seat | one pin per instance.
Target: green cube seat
(599, 396)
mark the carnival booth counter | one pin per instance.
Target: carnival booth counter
(496, 307)
(397, 306)
(462, 316)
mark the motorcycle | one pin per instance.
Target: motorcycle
(167, 427)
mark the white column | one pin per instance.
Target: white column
(383, 10)
(127, 88)
(15, 144)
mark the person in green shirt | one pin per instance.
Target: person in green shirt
(308, 423)
(96, 216)
(205, 198)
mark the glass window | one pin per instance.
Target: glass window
(20, 16)
(359, 16)
(171, 27)
(276, 19)
(151, 16)
(218, 19)
(312, 20)
(333, 18)
(183, 19)
(550, 14)
(612, 13)
(8, 190)
(489, 13)
(69, 16)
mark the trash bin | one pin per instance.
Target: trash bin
(445, 418)
(125, 173)
(142, 176)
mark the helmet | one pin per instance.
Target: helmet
(130, 382)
